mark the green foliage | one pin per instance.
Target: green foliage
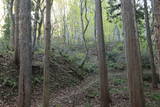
(154, 95)
(4, 47)
(37, 79)
(39, 51)
(115, 66)
(114, 90)
(116, 56)
(113, 10)
(76, 57)
(6, 28)
(9, 82)
(119, 81)
(90, 67)
(4, 40)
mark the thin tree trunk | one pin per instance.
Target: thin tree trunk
(152, 10)
(40, 25)
(101, 56)
(149, 40)
(17, 60)
(46, 54)
(12, 28)
(132, 54)
(64, 27)
(24, 92)
(95, 36)
(84, 28)
(36, 18)
(39, 30)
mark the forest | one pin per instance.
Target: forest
(79, 53)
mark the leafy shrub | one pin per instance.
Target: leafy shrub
(116, 56)
(119, 81)
(4, 40)
(76, 57)
(154, 96)
(9, 82)
(89, 67)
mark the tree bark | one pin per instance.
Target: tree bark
(46, 54)
(157, 30)
(101, 56)
(17, 60)
(24, 92)
(149, 40)
(132, 54)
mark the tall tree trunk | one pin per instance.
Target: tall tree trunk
(101, 55)
(17, 60)
(12, 28)
(149, 40)
(157, 30)
(132, 54)
(24, 99)
(46, 54)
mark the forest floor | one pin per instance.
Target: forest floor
(86, 94)
(70, 86)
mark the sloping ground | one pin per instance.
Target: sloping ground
(63, 74)
(69, 97)
(86, 94)
(69, 85)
